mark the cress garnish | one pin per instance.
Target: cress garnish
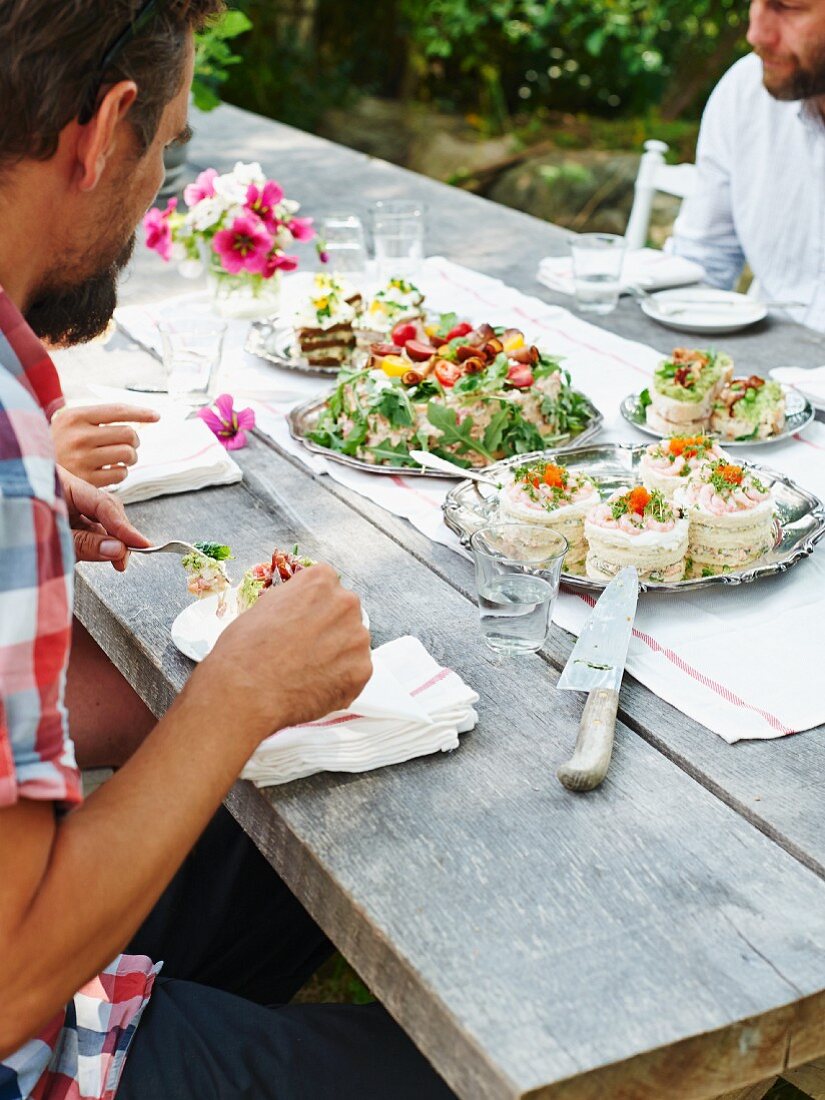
(638, 504)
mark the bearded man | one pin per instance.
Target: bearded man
(141, 935)
(760, 197)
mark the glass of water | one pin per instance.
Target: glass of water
(191, 356)
(343, 235)
(398, 235)
(597, 271)
(518, 567)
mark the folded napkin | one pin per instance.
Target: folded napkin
(810, 382)
(176, 455)
(645, 267)
(410, 707)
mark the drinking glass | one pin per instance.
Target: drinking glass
(191, 356)
(518, 567)
(343, 235)
(398, 235)
(597, 271)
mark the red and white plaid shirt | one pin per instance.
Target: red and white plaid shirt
(81, 1053)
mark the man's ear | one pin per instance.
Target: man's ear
(97, 138)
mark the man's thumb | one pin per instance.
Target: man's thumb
(90, 546)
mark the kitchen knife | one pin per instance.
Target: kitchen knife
(596, 665)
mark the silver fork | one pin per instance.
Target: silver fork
(173, 547)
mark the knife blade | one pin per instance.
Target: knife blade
(596, 666)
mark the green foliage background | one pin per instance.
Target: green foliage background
(495, 61)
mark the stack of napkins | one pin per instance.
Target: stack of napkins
(175, 456)
(645, 267)
(410, 707)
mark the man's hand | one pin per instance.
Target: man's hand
(300, 652)
(95, 444)
(101, 529)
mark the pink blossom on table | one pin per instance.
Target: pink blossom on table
(244, 246)
(279, 261)
(263, 201)
(202, 188)
(158, 231)
(301, 229)
(229, 425)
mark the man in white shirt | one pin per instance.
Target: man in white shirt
(760, 196)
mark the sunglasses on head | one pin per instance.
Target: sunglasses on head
(141, 19)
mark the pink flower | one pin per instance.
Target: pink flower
(263, 200)
(202, 188)
(245, 246)
(301, 229)
(229, 426)
(278, 261)
(158, 231)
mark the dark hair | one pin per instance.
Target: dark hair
(49, 52)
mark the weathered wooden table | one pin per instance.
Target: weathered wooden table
(662, 937)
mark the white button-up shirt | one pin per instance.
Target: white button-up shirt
(760, 194)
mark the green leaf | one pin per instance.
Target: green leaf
(393, 454)
(453, 433)
(204, 98)
(213, 550)
(494, 433)
(644, 398)
(394, 405)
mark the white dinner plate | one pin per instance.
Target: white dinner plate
(198, 627)
(703, 309)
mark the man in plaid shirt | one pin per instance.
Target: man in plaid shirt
(138, 942)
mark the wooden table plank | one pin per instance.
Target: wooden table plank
(532, 942)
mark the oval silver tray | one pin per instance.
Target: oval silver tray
(304, 419)
(276, 344)
(798, 415)
(800, 526)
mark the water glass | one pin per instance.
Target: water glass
(597, 271)
(343, 235)
(518, 567)
(191, 356)
(398, 235)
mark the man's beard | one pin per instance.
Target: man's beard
(66, 315)
(805, 82)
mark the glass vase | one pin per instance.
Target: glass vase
(244, 297)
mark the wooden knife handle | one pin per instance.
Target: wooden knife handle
(594, 745)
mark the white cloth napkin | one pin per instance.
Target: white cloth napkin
(175, 456)
(810, 382)
(645, 267)
(410, 707)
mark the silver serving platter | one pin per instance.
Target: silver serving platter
(276, 344)
(800, 524)
(798, 415)
(304, 419)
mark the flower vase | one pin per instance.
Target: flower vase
(244, 297)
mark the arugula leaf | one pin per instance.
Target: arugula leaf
(393, 454)
(394, 405)
(494, 432)
(453, 433)
(645, 399)
(213, 550)
(447, 321)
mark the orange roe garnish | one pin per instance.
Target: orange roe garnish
(554, 476)
(687, 445)
(637, 500)
(732, 474)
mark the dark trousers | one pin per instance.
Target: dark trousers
(236, 946)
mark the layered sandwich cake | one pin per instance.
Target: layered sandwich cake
(749, 408)
(552, 496)
(666, 465)
(636, 527)
(731, 516)
(324, 324)
(684, 389)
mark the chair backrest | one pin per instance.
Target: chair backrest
(654, 175)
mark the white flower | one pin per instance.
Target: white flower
(248, 173)
(290, 206)
(206, 213)
(233, 186)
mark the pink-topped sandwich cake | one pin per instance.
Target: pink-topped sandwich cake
(635, 527)
(731, 515)
(666, 465)
(550, 495)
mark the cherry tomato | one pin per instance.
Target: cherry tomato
(447, 373)
(520, 376)
(404, 331)
(461, 329)
(418, 351)
(385, 349)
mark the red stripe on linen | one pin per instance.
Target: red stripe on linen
(442, 674)
(402, 484)
(807, 442)
(705, 681)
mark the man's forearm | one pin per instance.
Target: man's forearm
(112, 857)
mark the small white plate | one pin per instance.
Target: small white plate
(703, 309)
(198, 627)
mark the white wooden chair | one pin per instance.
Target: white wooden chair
(655, 175)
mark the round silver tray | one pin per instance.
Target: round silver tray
(798, 415)
(276, 344)
(304, 419)
(800, 526)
